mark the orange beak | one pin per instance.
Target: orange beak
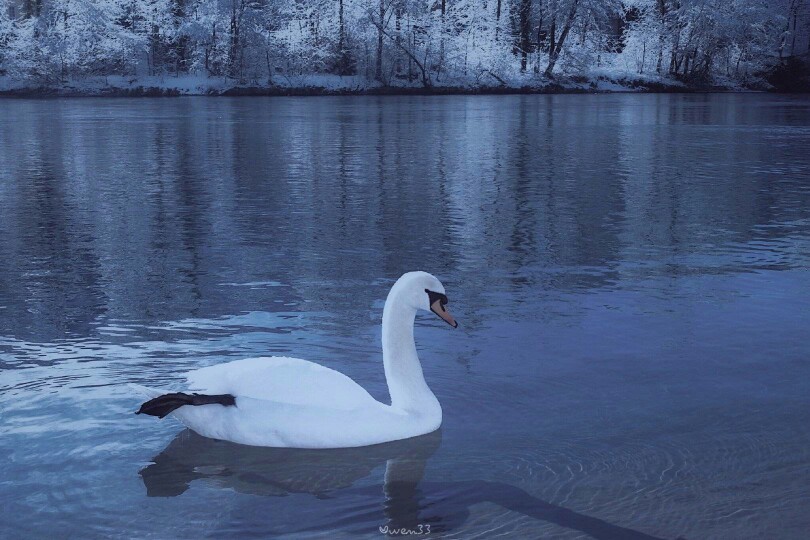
(440, 310)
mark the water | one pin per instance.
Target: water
(630, 274)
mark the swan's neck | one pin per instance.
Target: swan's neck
(403, 372)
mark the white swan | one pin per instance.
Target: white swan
(288, 402)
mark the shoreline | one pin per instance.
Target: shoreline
(166, 88)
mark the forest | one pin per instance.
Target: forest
(211, 45)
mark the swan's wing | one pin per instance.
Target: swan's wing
(284, 380)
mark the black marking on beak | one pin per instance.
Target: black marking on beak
(434, 296)
(438, 301)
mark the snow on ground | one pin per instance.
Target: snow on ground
(191, 85)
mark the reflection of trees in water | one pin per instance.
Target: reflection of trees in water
(145, 218)
(50, 277)
(406, 500)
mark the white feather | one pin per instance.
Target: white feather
(289, 402)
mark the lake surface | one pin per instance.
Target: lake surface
(630, 274)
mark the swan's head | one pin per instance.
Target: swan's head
(423, 291)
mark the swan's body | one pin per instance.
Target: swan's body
(289, 402)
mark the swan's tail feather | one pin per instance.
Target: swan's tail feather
(167, 403)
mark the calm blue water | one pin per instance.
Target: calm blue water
(630, 273)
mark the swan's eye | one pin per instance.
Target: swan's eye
(438, 298)
(433, 297)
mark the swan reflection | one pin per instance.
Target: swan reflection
(280, 471)
(408, 502)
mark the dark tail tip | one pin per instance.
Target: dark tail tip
(166, 404)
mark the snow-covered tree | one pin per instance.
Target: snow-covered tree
(402, 42)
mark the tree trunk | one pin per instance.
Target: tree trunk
(345, 62)
(569, 22)
(419, 64)
(341, 27)
(540, 40)
(378, 70)
(525, 29)
(181, 43)
(552, 35)
(497, 20)
(441, 42)
(793, 37)
(643, 55)
(235, 53)
(662, 12)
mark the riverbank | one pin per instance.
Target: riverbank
(328, 85)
